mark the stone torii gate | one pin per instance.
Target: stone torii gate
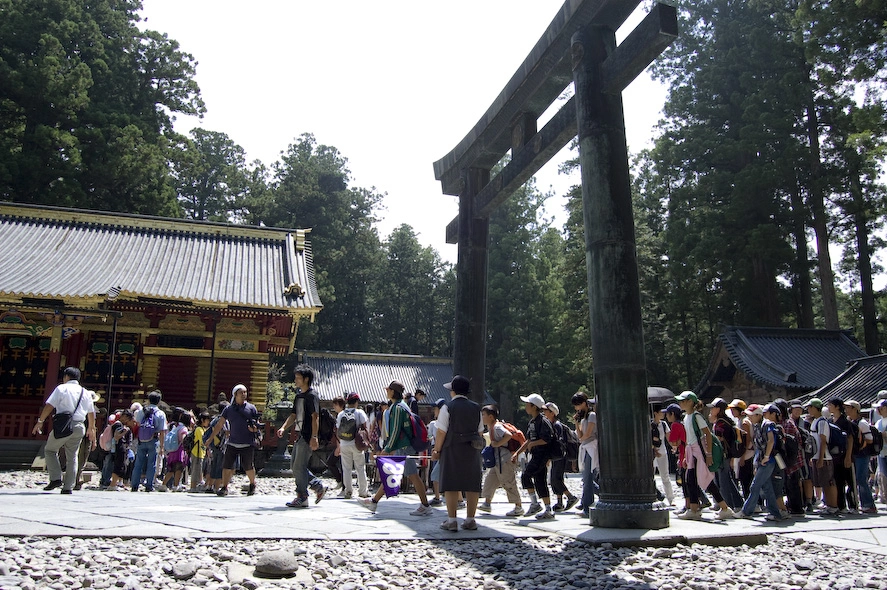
(578, 46)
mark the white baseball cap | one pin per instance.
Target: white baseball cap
(535, 399)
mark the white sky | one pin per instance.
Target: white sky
(393, 85)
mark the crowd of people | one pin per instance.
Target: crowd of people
(786, 457)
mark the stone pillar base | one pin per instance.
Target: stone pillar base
(629, 515)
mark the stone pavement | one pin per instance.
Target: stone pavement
(89, 513)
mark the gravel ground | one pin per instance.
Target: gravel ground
(63, 563)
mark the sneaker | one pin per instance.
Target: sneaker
(547, 515)
(319, 493)
(450, 526)
(486, 507)
(435, 502)
(585, 514)
(740, 514)
(691, 515)
(161, 488)
(298, 503)
(516, 511)
(343, 494)
(558, 507)
(56, 483)
(774, 518)
(469, 524)
(251, 489)
(783, 514)
(67, 492)
(869, 510)
(724, 514)
(533, 509)
(571, 501)
(209, 491)
(222, 492)
(364, 495)
(369, 504)
(422, 510)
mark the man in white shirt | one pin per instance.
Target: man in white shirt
(348, 422)
(69, 397)
(881, 430)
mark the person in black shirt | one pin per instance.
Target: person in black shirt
(844, 463)
(539, 434)
(306, 416)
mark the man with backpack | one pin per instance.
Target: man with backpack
(862, 446)
(306, 416)
(349, 423)
(559, 460)
(152, 431)
(822, 471)
(399, 432)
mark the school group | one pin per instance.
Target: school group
(787, 458)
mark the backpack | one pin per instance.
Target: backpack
(808, 442)
(837, 440)
(347, 425)
(732, 440)
(188, 442)
(789, 447)
(147, 430)
(717, 451)
(571, 445)
(877, 442)
(171, 442)
(208, 435)
(556, 448)
(418, 434)
(327, 427)
(517, 439)
(106, 438)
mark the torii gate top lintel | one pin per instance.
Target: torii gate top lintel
(539, 81)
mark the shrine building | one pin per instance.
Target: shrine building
(138, 303)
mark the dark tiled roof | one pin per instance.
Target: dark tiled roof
(88, 256)
(795, 359)
(368, 374)
(862, 381)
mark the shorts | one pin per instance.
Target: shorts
(246, 455)
(823, 477)
(410, 467)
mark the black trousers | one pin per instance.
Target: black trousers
(535, 474)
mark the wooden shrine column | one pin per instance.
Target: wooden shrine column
(470, 353)
(627, 497)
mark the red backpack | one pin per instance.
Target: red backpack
(517, 436)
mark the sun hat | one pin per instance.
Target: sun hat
(535, 399)
(755, 410)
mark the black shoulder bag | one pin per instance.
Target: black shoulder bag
(63, 422)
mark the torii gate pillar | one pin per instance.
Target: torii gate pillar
(628, 497)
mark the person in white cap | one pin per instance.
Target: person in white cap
(558, 464)
(539, 434)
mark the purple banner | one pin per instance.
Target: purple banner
(390, 472)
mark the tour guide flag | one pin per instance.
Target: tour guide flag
(391, 469)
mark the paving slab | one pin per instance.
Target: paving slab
(90, 513)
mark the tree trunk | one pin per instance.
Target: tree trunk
(864, 264)
(820, 220)
(802, 286)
